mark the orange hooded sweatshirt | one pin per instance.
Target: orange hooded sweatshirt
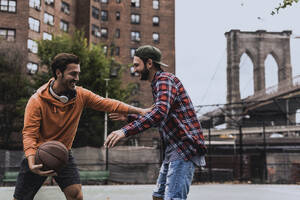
(46, 118)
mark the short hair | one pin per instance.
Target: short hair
(61, 60)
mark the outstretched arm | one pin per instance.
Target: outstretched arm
(113, 138)
(97, 102)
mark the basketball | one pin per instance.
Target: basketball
(53, 155)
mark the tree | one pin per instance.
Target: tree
(95, 67)
(15, 90)
(283, 5)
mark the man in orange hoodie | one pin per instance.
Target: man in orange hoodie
(53, 113)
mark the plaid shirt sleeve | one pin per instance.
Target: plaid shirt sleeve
(132, 117)
(165, 91)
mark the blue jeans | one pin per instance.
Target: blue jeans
(174, 180)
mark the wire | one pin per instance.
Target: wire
(213, 76)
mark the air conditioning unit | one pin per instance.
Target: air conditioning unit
(37, 7)
(49, 2)
(66, 11)
(97, 34)
(137, 39)
(50, 23)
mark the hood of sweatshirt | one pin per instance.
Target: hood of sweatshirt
(44, 93)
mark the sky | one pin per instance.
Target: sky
(200, 44)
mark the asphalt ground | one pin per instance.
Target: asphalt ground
(197, 192)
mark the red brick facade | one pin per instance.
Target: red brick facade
(82, 15)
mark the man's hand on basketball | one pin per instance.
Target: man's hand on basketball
(113, 138)
(117, 117)
(37, 168)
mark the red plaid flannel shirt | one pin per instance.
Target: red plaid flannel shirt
(174, 115)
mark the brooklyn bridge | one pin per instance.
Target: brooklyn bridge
(261, 137)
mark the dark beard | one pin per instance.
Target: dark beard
(145, 74)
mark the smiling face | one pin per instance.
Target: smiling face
(139, 66)
(68, 79)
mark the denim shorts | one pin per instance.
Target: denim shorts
(28, 183)
(174, 180)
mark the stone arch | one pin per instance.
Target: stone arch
(258, 45)
(269, 78)
(246, 72)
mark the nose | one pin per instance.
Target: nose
(132, 70)
(76, 78)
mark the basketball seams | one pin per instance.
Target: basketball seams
(48, 148)
(52, 155)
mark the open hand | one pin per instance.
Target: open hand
(113, 138)
(117, 117)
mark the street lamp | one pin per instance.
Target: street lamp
(113, 73)
(105, 124)
(105, 118)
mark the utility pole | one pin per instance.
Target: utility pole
(209, 149)
(105, 124)
(265, 174)
(241, 152)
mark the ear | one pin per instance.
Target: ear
(149, 63)
(58, 73)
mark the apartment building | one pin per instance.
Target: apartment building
(121, 26)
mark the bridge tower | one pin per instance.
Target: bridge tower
(257, 45)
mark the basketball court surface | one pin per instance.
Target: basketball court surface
(197, 192)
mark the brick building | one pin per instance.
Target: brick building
(120, 26)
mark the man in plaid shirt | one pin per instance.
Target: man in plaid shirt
(173, 113)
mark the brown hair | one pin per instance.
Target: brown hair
(61, 60)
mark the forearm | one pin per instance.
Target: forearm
(135, 110)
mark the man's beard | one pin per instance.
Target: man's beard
(145, 74)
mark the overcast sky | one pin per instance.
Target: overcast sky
(201, 44)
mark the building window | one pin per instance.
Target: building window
(155, 4)
(118, 15)
(132, 52)
(8, 5)
(49, 2)
(117, 51)
(135, 3)
(155, 21)
(135, 18)
(95, 12)
(104, 32)
(64, 26)
(32, 46)
(95, 31)
(34, 24)
(117, 33)
(32, 68)
(118, 1)
(104, 15)
(7, 34)
(135, 36)
(47, 36)
(65, 7)
(104, 1)
(155, 37)
(35, 4)
(104, 49)
(48, 19)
